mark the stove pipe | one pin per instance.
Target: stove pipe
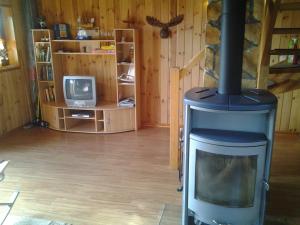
(232, 44)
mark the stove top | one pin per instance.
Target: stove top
(248, 100)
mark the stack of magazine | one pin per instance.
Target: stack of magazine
(127, 102)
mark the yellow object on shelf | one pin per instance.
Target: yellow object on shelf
(108, 47)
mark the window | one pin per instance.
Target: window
(8, 48)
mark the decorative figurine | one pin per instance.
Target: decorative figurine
(42, 22)
(165, 31)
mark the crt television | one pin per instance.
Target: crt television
(80, 91)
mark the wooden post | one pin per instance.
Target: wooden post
(174, 117)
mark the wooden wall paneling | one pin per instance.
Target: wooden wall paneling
(279, 111)
(172, 51)
(156, 73)
(140, 17)
(110, 15)
(294, 124)
(146, 64)
(137, 60)
(157, 55)
(164, 67)
(124, 13)
(180, 52)
(188, 42)
(101, 12)
(286, 111)
(68, 16)
(148, 67)
(102, 67)
(15, 105)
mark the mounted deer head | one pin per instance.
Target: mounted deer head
(165, 31)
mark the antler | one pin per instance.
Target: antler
(175, 20)
(154, 22)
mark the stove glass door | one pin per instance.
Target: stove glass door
(225, 180)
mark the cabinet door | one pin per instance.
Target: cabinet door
(50, 115)
(119, 120)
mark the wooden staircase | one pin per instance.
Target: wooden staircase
(271, 12)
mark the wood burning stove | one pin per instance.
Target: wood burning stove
(228, 137)
(227, 156)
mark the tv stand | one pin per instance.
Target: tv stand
(104, 118)
(116, 70)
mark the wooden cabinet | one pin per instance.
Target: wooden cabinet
(103, 119)
(112, 61)
(50, 114)
(119, 120)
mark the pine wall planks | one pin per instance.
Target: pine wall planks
(14, 92)
(157, 55)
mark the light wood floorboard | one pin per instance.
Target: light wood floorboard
(89, 179)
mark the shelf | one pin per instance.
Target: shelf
(97, 57)
(286, 31)
(285, 52)
(82, 53)
(125, 43)
(46, 81)
(125, 64)
(88, 127)
(80, 117)
(126, 84)
(102, 40)
(284, 68)
(100, 126)
(42, 42)
(290, 6)
(43, 62)
(42, 30)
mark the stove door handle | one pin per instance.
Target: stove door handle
(218, 223)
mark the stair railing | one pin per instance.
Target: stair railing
(176, 74)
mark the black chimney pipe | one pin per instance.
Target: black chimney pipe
(232, 44)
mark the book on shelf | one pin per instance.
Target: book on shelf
(127, 102)
(43, 53)
(46, 73)
(49, 94)
(48, 54)
(49, 72)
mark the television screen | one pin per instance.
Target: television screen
(79, 89)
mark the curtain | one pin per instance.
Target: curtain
(29, 11)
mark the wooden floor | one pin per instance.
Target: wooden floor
(90, 179)
(119, 179)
